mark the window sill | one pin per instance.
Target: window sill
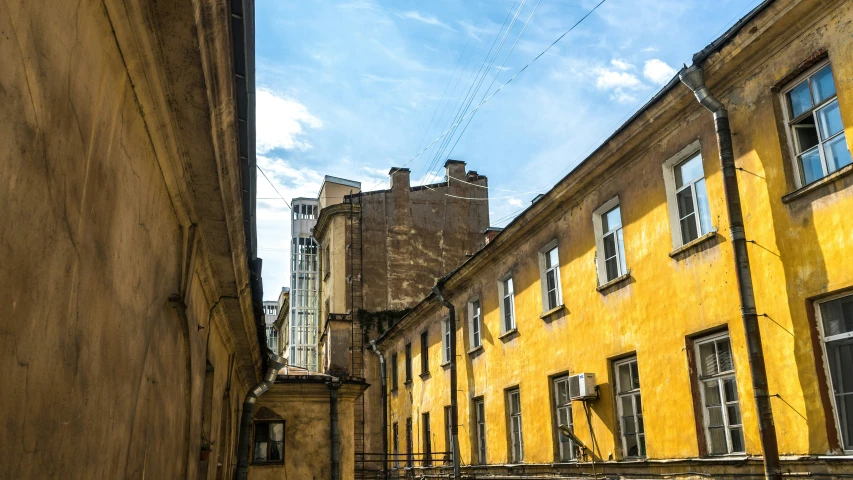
(394, 391)
(508, 333)
(424, 375)
(693, 244)
(476, 349)
(554, 310)
(445, 365)
(616, 281)
(408, 383)
(279, 463)
(803, 191)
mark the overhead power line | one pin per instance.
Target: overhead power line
(273, 186)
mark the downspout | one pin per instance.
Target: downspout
(454, 410)
(334, 385)
(275, 363)
(384, 408)
(694, 78)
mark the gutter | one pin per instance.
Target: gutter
(275, 363)
(694, 78)
(454, 409)
(383, 394)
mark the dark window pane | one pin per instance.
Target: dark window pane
(632, 448)
(609, 246)
(734, 414)
(624, 378)
(737, 440)
(806, 136)
(800, 99)
(612, 268)
(688, 229)
(276, 451)
(715, 417)
(635, 376)
(628, 427)
(718, 441)
(730, 389)
(712, 394)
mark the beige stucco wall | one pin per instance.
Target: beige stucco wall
(800, 253)
(103, 376)
(304, 407)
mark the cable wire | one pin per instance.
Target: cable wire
(273, 186)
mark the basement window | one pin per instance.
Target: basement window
(269, 442)
(719, 395)
(835, 317)
(814, 121)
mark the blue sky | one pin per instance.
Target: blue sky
(352, 88)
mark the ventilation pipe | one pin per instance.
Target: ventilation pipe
(454, 410)
(694, 78)
(384, 394)
(275, 363)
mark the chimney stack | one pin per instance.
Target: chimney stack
(491, 233)
(400, 178)
(455, 169)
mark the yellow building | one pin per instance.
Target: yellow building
(626, 270)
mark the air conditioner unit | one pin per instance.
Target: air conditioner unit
(582, 386)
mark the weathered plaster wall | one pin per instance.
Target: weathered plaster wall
(103, 376)
(304, 407)
(800, 252)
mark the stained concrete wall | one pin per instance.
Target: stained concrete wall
(104, 376)
(799, 252)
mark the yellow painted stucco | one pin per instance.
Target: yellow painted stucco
(799, 250)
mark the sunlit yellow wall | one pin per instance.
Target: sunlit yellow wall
(801, 251)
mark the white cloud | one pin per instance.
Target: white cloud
(621, 64)
(281, 122)
(428, 19)
(611, 80)
(515, 202)
(657, 71)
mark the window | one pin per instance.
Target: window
(836, 320)
(394, 372)
(480, 419)
(409, 444)
(269, 442)
(718, 390)
(427, 440)
(424, 352)
(516, 443)
(692, 199)
(474, 316)
(630, 408)
(272, 339)
(563, 416)
(549, 266)
(448, 432)
(814, 119)
(507, 306)
(395, 434)
(408, 363)
(445, 340)
(607, 224)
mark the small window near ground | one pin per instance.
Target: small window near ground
(814, 120)
(410, 447)
(516, 440)
(563, 416)
(427, 440)
(448, 434)
(506, 292)
(475, 323)
(395, 441)
(836, 322)
(719, 395)
(480, 420)
(269, 442)
(630, 408)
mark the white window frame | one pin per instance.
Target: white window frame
(600, 234)
(445, 341)
(824, 340)
(543, 276)
(475, 322)
(636, 415)
(792, 137)
(480, 430)
(671, 199)
(516, 430)
(719, 377)
(562, 457)
(503, 295)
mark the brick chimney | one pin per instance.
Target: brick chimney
(400, 178)
(491, 233)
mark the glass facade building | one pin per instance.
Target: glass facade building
(304, 267)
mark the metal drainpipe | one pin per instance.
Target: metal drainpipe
(334, 385)
(384, 408)
(694, 78)
(454, 409)
(274, 365)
